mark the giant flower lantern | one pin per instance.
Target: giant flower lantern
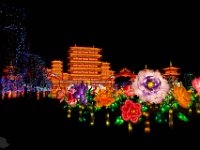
(80, 93)
(150, 86)
(70, 97)
(182, 96)
(131, 111)
(104, 98)
(61, 94)
(196, 84)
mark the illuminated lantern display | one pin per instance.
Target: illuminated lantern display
(150, 86)
(171, 72)
(131, 112)
(57, 67)
(182, 96)
(84, 65)
(105, 71)
(55, 75)
(125, 85)
(149, 91)
(125, 73)
(87, 86)
(196, 86)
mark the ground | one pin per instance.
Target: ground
(28, 123)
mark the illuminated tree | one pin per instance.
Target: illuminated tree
(36, 76)
(28, 69)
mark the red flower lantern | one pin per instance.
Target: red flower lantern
(131, 111)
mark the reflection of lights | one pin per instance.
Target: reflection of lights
(9, 94)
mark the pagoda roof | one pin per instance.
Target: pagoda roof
(85, 48)
(125, 73)
(171, 67)
(56, 61)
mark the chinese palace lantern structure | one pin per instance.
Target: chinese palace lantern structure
(84, 64)
(171, 72)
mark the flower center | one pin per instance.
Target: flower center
(150, 84)
(133, 111)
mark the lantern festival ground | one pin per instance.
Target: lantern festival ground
(29, 123)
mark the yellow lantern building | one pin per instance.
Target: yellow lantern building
(84, 64)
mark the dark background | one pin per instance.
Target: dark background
(130, 34)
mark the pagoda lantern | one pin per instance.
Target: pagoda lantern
(171, 72)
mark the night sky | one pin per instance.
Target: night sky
(131, 35)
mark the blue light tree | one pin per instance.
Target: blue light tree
(27, 69)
